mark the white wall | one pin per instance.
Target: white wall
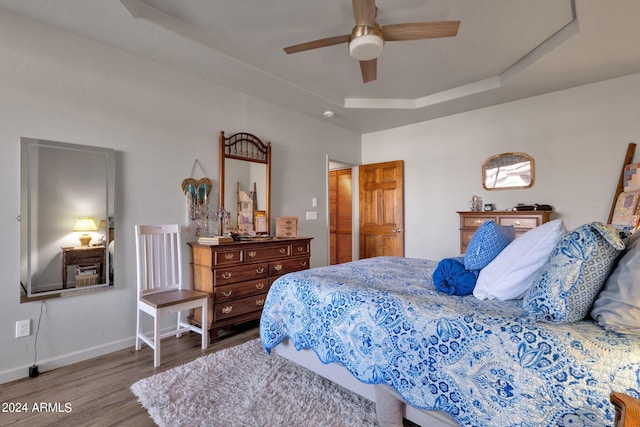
(578, 139)
(58, 87)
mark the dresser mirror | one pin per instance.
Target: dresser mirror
(508, 171)
(245, 184)
(66, 218)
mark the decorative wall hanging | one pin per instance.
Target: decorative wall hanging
(197, 193)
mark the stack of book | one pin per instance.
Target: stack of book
(214, 240)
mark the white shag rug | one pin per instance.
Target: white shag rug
(243, 386)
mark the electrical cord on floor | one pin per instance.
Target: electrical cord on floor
(33, 370)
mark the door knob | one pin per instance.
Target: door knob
(398, 230)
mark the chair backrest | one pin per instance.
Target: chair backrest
(158, 258)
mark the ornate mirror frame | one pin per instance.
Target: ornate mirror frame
(245, 147)
(508, 171)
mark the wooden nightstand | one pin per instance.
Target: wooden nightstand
(88, 255)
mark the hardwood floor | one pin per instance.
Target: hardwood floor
(96, 392)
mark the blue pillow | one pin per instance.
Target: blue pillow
(486, 243)
(452, 278)
(566, 286)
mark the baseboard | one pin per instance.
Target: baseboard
(66, 359)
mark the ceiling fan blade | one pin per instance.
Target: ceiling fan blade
(369, 70)
(365, 12)
(315, 44)
(420, 30)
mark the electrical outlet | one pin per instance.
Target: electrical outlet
(23, 328)
(312, 215)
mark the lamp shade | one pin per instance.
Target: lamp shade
(85, 223)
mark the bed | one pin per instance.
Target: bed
(439, 359)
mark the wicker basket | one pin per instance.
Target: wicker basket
(86, 280)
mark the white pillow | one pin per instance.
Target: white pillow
(511, 273)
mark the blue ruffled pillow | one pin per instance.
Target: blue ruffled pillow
(487, 242)
(452, 278)
(566, 286)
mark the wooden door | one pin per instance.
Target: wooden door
(340, 216)
(381, 198)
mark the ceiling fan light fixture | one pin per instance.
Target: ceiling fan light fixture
(366, 48)
(366, 42)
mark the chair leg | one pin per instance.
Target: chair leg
(179, 334)
(204, 326)
(156, 341)
(138, 341)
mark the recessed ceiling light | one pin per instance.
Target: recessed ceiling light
(328, 114)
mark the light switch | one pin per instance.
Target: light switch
(312, 215)
(314, 202)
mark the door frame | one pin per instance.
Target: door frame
(355, 212)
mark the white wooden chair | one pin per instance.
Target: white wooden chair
(160, 287)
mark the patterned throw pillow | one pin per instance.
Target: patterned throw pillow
(566, 286)
(487, 242)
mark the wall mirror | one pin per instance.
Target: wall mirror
(66, 218)
(508, 171)
(245, 184)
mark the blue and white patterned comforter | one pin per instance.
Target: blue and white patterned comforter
(481, 362)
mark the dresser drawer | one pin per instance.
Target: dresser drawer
(240, 290)
(465, 238)
(224, 276)
(225, 257)
(258, 254)
(519, 222)
(238, 307)
(85, 259)
(476, 221)
(278, 268)
(301, 248)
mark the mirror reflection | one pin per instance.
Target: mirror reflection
(508, 171)
(66, 221)
(242, 177)
(245, 185)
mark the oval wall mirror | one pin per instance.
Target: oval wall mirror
(508, 171)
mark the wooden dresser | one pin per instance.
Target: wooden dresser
(238, 276)
(522, 221)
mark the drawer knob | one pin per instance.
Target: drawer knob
(278, 267)
(227, 310)
(259, 285)
(226, 275)
(283, 250)
(517, 222)
(303, 263)
(227, 293)
(252, 254)
(228, 256)
(260, 270)
(478, 221)
(300, 249)
(288, 221)
(260, 302)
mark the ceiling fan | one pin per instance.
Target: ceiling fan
(367, 37)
